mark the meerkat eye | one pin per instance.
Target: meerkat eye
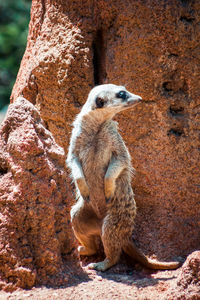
(122, 94)
(99, 102)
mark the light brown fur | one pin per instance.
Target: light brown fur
(101, 169)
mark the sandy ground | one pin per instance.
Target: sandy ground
(120, 282)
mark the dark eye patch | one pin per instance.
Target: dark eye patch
(122, 94)
(99, 102)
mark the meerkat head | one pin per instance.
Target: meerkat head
(110, 99)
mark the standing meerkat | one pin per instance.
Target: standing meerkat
(101, 169)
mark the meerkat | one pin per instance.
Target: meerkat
(101, 170)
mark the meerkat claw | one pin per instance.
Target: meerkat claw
(87, 199)
(108, 199)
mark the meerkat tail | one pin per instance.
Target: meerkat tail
(135, 253)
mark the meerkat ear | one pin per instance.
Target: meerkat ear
(99, 102)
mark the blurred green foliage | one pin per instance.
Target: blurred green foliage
(14, 20)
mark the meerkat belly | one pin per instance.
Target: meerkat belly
(94, 164)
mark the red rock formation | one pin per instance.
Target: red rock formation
(34, 200)
(152, 48)
(187, 286)
(190, 272)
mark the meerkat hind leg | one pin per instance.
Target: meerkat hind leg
(88, 246)
(107, 263)
(86, 226)
(112, 249)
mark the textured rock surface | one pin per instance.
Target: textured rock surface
(187, 285)
(190, 272)
(34, 207)
(153, 48)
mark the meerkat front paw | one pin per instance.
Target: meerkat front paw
(83, 188)
(109, 185)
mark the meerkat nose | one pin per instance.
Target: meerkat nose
(137, 98)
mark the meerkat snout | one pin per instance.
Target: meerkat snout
(126, 99)
(133, 99)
